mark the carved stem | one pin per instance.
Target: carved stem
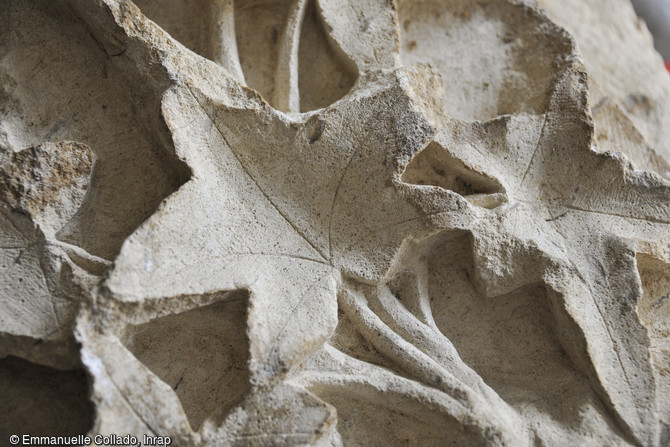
(223, 40)
(286, 93)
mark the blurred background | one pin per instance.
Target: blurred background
(657, 15)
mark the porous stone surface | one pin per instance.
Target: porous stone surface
(334, 222)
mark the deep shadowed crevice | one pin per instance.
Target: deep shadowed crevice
(260, 36)
(437, 167)
(323, 75)
(202, 354)
(43, 401)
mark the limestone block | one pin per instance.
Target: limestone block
(334, 223)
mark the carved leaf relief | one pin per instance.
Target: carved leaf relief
(329, 222)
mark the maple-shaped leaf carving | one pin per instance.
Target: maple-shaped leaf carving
(378, 238)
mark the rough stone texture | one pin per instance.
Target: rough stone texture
(334, 222)
(619, 55)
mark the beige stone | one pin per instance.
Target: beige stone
(334, 222)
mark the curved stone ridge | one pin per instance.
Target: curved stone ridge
(333, 222)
